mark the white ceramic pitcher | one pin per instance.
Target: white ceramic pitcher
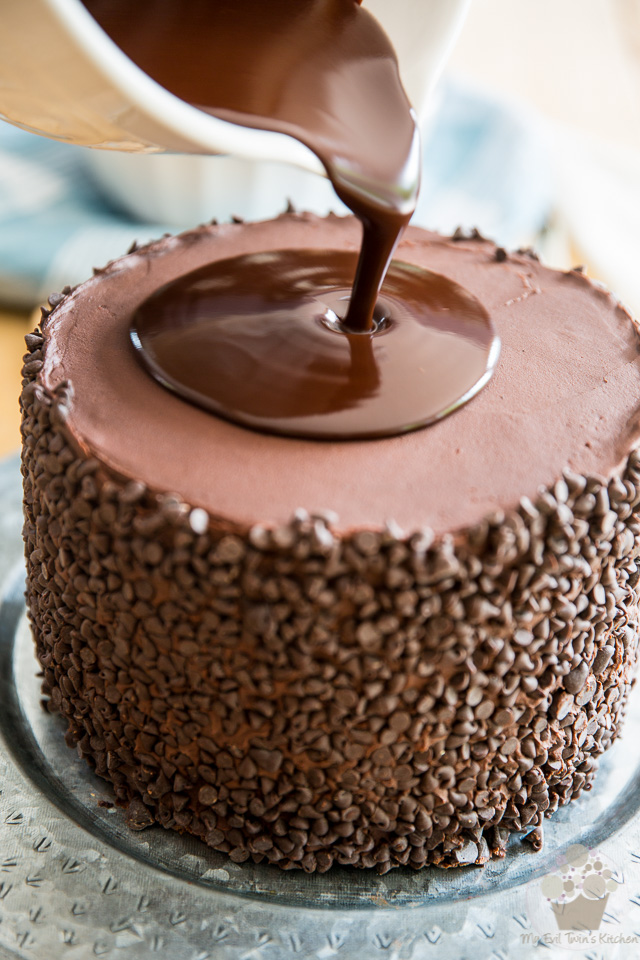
(61, 76)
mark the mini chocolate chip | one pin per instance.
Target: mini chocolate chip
(576, 679)
(484, 710)
(207, 795)
(602, 660)
(400, 721)
(468, 853)
(138, 816)
(503, 718)
(247, 769)
(562, 705)
(268, 760)
(33, 341)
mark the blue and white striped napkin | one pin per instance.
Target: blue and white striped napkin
(484, 165)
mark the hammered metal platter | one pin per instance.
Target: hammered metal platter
(75, 883)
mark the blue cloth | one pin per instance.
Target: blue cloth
(55, 225)
(484, 166)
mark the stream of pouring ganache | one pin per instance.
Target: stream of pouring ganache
(324, 72)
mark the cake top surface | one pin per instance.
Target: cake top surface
(565, 394)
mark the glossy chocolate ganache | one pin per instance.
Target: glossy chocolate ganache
(295, 343)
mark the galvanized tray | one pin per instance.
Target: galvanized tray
(76, 883)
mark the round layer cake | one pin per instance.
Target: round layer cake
(374, 653)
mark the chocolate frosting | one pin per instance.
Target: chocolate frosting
(565, 394)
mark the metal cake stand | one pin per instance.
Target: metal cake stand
(75, 883)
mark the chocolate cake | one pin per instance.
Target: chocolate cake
(374, 653)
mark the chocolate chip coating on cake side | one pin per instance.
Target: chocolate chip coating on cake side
(305, 698)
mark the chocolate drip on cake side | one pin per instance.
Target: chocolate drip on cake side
(325, 73)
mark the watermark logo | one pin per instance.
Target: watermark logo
(568, 906)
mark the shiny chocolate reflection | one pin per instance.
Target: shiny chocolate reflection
(261, 340)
